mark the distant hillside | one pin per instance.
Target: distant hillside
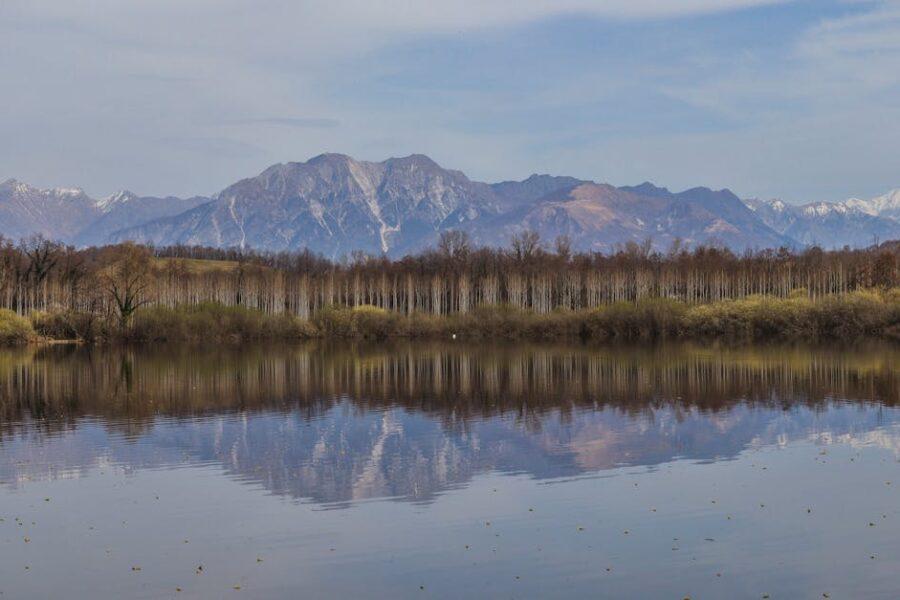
(57, 213)
(601, 217)
(126, 209)
(335, 205)
(69, 215)
(831, 225)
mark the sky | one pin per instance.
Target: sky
(790, 99)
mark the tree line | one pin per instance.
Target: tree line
(454, 382)
(37, 274)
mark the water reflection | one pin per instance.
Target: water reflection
(336, 423)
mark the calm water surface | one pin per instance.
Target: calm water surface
(447, 470)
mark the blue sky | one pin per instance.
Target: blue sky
(771, 98)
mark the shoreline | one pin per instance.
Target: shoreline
(858, 315)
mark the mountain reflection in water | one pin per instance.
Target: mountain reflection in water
(333, 424)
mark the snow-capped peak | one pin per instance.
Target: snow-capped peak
(61, 191)
(22, 188)
(823, 208)
(755, 204)
(120, 197)
(16, 186)
(885, 205)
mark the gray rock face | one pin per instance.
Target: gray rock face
(332, 204)
(335, 205)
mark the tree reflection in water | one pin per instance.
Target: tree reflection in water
(336, 423)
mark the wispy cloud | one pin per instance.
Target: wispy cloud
(301, 122)
(770, 97)
(214, 146)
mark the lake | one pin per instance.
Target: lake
(448, 470)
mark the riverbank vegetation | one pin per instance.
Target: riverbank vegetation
(134, 293)
(854, 315)
(14, 329)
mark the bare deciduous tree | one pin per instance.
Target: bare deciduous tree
(525, 245)
(454, 244)
(563, 246)
(126, 280)
(455, 277)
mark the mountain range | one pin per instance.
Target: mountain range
(334, 204)
(852, 223)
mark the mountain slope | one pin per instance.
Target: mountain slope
(886, 206)
(831, 225)
(126, 209)
(600, 217)
(331, 204)
(513, 194)
(335, 205)
(54, 213)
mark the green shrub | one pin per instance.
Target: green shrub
(375, 322)
(214, 322)
(752, 318)
(502, 322)
(856, 314)
(14, 329)
(66, 325)
(871, 313)
(647, 319)
(364, 321)
(853, 315)
(335, 321)
(421, 325)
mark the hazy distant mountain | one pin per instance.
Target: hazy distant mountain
(601, 217)
(887, 206)
(515, 193)
(334, 204)
(56, 213)
(827, 224)
(125, 209)
(71, 216)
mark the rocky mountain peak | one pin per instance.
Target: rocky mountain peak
(15, 186)
(413, 161)
(335, 204)
(113, 200)
(648, 189)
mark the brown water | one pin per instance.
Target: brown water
(447, 470)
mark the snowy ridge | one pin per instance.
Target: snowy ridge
(121, 197)
(854, 222)
(821, 209)
(337, 205)
(885, 205)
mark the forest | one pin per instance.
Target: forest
(117, 290)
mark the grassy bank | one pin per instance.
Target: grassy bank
(14, 330)
(200, 323)
(856, 315)
(861, 314)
